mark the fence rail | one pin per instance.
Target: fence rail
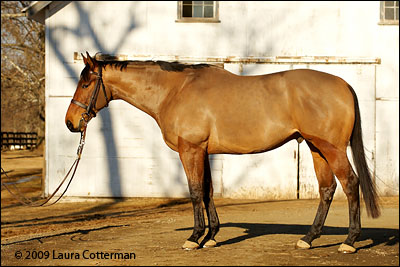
(18, 140)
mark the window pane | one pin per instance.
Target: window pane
(208, 11)
(187, 2)
(187, 11)
(389, 3)
(208, 2)
(389, 13)
(198, 11)
(397, 14)
(198, 2)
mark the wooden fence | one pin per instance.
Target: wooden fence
(18, 140)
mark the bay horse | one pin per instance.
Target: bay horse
(203, 109)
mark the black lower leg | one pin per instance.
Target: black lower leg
(326, 196)
(199, 226)
(213, 221)
(353, 198)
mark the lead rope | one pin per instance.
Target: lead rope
(27, 202)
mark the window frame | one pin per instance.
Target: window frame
(214, 19)
(383, 20)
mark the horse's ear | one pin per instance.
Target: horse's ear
(84, 59)
(91, 61)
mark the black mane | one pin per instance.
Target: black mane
(178, 67)
(116, 64)
(164, 65)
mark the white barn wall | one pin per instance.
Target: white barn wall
(125, 154)
(387, 111)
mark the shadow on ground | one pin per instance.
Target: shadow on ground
(388, 237)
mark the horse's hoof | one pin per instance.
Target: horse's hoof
(344, 248)
(210, 243)
(302, 245)
(190, 245)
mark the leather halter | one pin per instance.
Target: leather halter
(91, 107)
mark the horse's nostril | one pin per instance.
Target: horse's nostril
(70, 126)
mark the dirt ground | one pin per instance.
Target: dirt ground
(151, 231)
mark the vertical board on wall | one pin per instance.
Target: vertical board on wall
(387, 146)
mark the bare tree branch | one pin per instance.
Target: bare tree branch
(23, 47)
(22, 70)
(13, 15)
(18, 68)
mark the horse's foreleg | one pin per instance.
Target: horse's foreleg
(327, 187)
(213, 221)
(192, 158)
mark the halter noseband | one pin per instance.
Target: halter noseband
(90, 109)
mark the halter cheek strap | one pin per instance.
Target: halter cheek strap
(90, 109)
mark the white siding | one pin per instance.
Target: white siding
(125, 154)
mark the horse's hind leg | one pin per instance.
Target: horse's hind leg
(213, 221)
(340, 165)
(327, 187)
(192, 158)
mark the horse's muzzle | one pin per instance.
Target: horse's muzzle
(71, 127)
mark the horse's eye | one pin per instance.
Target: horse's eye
(85, 86)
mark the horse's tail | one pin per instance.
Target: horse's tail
(368, 187)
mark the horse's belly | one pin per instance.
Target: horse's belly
(255, 139)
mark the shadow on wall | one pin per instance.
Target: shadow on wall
(85, 30)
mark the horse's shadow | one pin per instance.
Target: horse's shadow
(387, 236)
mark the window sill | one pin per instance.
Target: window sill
(388, 22)
(198, 20)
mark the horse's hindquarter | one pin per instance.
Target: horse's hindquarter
(246, 114)
(322, 105)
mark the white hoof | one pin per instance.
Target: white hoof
(210, 244)
(190, 245)
(344, 248)
(302, 245)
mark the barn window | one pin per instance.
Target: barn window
(389, 12)
(197, 11)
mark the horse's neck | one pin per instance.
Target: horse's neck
(143, 87)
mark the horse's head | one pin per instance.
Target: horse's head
(87, 100)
